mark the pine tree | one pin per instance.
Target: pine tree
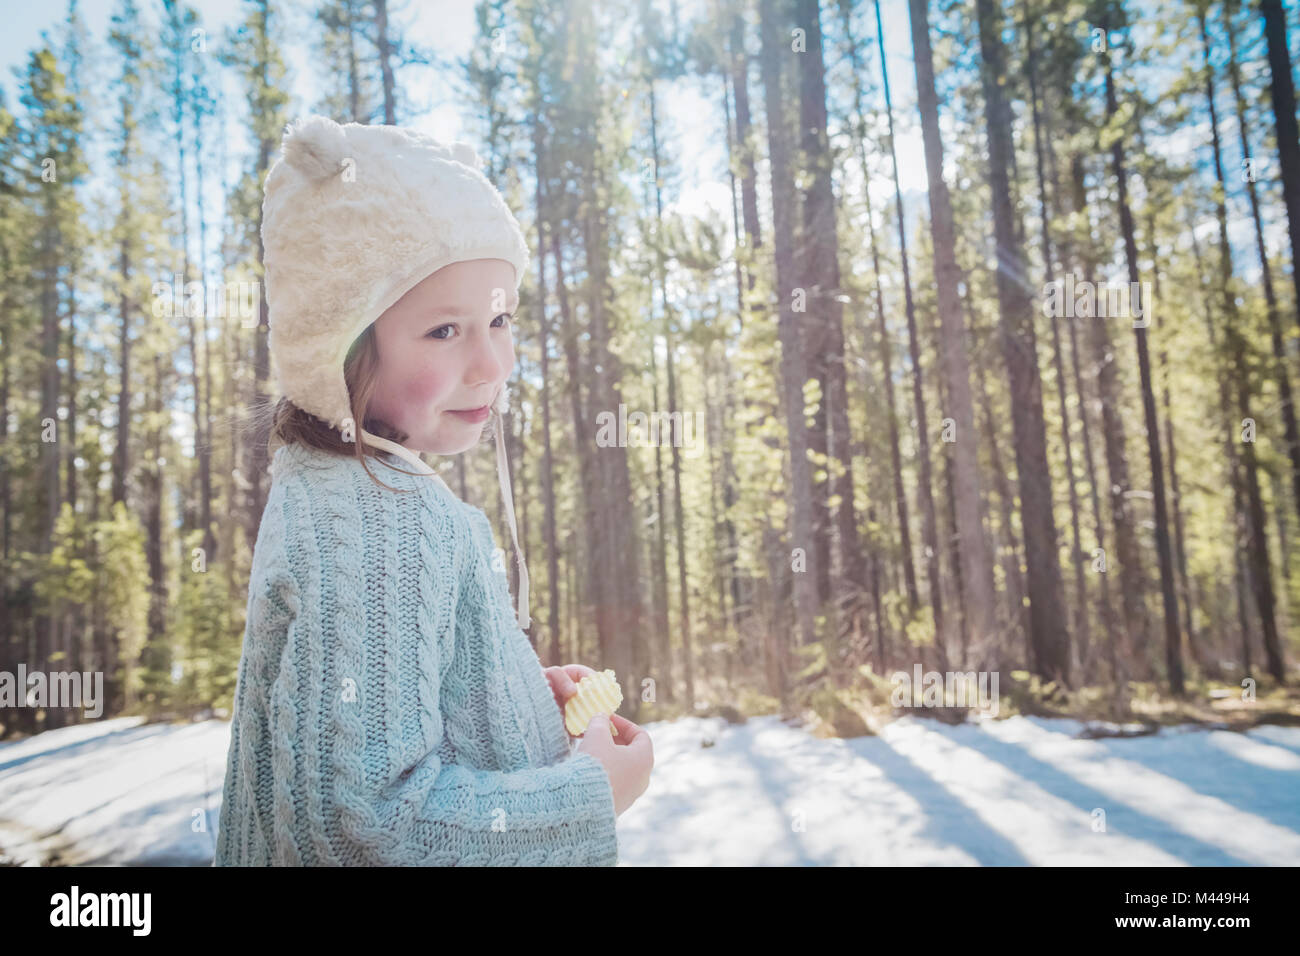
(1047, 630)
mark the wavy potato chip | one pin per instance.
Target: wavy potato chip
(597, 693)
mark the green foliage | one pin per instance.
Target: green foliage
(206, 659)
(1029, 694)
(878, 689)
(920, 629)
(79, 255)
(835, 712)
(101, 567)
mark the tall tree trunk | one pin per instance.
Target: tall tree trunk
(1257, 550)
(1240, 533)
(1046, 609)
(7, 652)
(203, 450)
(1176, 501)
(1017, 613)
(679, 526)
(873, 545)
(1282, 89)
(190, 513)
(745, 145)
(229, 348)
(548, 464)
(1080, 250)
(717, 550)
(157, 641)
(1275, 329)
(1045, 206)
(586, 466)
(885, 348)
(51, 335)
(659, 554)
(70, 460)
(1132, 572)
(122, 446)
(659, 550)
(1173, 640)
(925, 489)
(354, 73)
(821, 244)
(976, 558)
(948, 537)
(385, 60)
(257, 448)
(739, 153)
(792, 364)
(619, 619)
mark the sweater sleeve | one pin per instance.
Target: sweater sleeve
(363, 767)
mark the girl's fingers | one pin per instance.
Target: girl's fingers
(627, 731)
(562, 686)
(576, 672)
(566, 679)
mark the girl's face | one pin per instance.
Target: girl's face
(445, 352)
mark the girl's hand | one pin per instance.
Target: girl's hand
(564, 681)
(627, 758)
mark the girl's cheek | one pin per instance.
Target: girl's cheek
(424, 389)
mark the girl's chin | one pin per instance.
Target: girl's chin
(452, 441)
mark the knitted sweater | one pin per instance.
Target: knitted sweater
(388, 709)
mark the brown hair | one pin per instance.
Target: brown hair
(285, 423)
(288, 423)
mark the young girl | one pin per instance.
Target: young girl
(388, 708)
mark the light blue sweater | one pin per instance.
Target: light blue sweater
(388, 709)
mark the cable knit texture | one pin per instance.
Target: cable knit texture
(388, 710)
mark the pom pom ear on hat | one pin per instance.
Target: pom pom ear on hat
(316, 147)
(464, 153)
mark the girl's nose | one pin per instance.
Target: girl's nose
(485, 364)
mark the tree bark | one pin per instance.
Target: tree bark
(1046, 609)
(885, 350)
(1276, 333)
(925, 494)
(385, 61)
(1282, 88)
(821, 244)
(1257, 546)
(548, 464)
(976, 558)
(793, 372)
(1045, 205)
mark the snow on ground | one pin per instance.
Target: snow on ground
(1022, 791)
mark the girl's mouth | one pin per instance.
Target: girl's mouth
(472, 415)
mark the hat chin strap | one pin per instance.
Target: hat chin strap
(503, 478)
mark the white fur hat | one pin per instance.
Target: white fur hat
(353, 217)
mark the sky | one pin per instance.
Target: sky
(692, 113)
(446, 26)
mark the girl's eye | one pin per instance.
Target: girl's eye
(443, 332)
